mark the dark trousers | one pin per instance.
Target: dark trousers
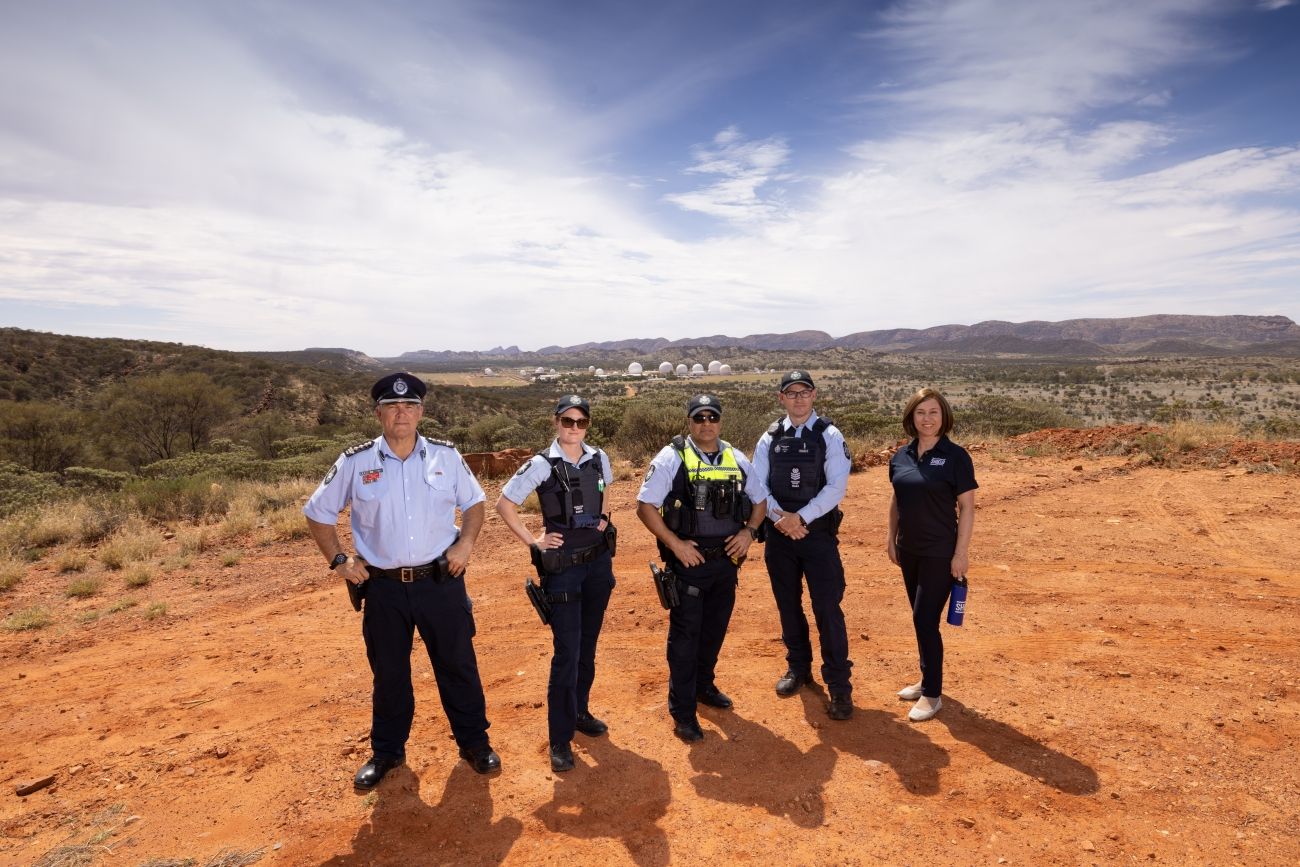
(442, 613)
(928, 581)
(815, 557)
(696, 630)
(575, 626)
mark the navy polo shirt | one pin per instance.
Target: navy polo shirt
(926, 488)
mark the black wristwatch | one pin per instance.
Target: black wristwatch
(339, 559)
(753, 532)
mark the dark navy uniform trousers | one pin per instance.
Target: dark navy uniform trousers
(575, 627)
(442, 613)
(817, 558)
(696, 630)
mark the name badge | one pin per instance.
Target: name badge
(937, 462)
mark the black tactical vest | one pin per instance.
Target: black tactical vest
(796, 465)
(572, 500)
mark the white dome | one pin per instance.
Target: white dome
(635, 368)
(487, 371)
(539, 370)
(697, 368)
(666, 368)
(725, 370)
(591, 368)
(715, 366)
(600, 371)
(681, 370)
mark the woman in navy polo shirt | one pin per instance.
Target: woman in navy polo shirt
(931, 516)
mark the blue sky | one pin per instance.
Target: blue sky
(394, 176)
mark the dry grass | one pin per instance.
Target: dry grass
(195, 540)
(28, 618)
(140, 576)
(231, 558)
(72, 560)
(234, 858)
(155, 610)
(11, 572)
(134, 542)
(88, 616)
(241, 517)
(82, 588)
(286, 523)
(122, 605)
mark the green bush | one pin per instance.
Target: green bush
(175, 499)
(21, 488)
(997, 416)
(28, 618)
(647, 427)
(95, 479)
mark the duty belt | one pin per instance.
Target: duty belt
(718, 552)
(438, 570)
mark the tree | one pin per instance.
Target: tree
(40, 436)
(162, 416)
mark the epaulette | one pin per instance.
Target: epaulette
(358, 448)
(444, 443)
(822, 423)
(679, 443)
(774, 426)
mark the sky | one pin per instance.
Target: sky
(400, 175)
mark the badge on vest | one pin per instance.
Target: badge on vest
(369, 477)
(795, 477)
(938, 462)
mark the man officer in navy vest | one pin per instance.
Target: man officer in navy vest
(805, 463)
(404, 491)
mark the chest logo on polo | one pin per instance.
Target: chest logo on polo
(795, 477)
(369, 477)
(938, 462)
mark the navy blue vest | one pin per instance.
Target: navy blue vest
(796, 465)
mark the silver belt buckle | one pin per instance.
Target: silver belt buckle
(407, 574)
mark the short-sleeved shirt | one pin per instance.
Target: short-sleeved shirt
(926, 488)
(537, 470)
(403, 511)
(664, 470)
(836, 465)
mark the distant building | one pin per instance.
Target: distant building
(635, 368)
(666, 368)
(715, 367)
(487, 371)
(697, 369)
(681, 370)
(725, 369)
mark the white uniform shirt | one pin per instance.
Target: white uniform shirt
(403, 512)
(836, 466)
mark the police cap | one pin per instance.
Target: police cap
(396, 387)
(573, 401)
(703, 401)
(797, 377)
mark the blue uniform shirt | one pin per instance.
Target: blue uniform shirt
(836, 466)
(536, 470)
(663, 469)
(403, 512)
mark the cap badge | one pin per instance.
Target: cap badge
(399, 386)
(796, 375)
(574, 399)
(705, 400)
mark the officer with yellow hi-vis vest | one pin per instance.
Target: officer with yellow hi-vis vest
(704, 503)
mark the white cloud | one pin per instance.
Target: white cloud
(745, 167)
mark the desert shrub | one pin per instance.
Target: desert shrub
(11, 572)
(122, 605)
(134, 542)
(155, 610)
(72, 560)
(201, 464)
(998, 416)
(271, 496)
(495, 432)
(21, 488)
(869, 424)
(88, 616)
(179, 498)
(195, 540)
(41, 436)
(298, 446)
(286, 523)
(647, 427)
(140, 576)
(1280, 427)
(230, 558)
(95, 479)
(28, 618)
(81, 588)
(241, 518)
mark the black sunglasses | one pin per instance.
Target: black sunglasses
(705, 418)
(579, 423)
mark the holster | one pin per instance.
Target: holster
(356, 593)
(836, 518)
(611, 536)
(537, 596)
(665, 587)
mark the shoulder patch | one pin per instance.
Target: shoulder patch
(774, 427)
(444, 443)
(650, 472)
(847, 456)
(358, 448)
(329, 477)
(523, 468)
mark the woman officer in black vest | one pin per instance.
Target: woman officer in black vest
(575, 559)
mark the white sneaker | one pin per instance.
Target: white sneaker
(910, 693)
(925, 709)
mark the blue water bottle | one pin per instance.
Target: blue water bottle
(957, 602)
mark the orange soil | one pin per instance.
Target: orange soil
(1124, 690)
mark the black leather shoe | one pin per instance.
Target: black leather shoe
(713, 697)
(791, 681)
(561, 758)
(688, 730)
(482, 759)
(373, 771)
(589, 725)
(841, 707)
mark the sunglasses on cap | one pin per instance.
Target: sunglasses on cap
(706, 418)
(579, 423)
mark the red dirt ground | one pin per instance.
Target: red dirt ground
(1124, 690)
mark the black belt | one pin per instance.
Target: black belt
(718, 552)
(436, 570)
